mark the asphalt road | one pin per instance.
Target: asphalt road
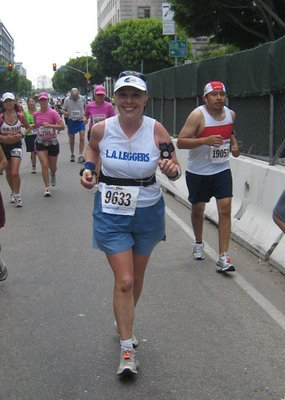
(203, 336)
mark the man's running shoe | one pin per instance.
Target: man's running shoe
(18, 200)
(81, 159)
(72, 158)
(134, 338)
(12, 198)
(33, 170)
(128, 363)
(198, 251)
(3, 270)
(224, 264)
(53, 180)
(47, 192)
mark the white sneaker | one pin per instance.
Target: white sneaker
(128, 363)
(33, 170)
(198, 251)
(80, 159)
(53, 180)
(47, 192)
(12, 198)
(134, 338)
(224, 264)
(18, 200)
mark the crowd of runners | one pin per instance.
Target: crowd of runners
(124, 150)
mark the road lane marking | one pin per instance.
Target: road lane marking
(265, 304)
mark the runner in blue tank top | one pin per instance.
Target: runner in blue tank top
(129, 209)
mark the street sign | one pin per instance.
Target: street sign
(178, 48)
(3, 68)
(168, 23)
(87, 75)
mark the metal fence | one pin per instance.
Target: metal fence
(259, 125)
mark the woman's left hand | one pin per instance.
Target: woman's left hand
(168, 167)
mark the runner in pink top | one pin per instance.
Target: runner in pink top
(99, 109)
(47, 121)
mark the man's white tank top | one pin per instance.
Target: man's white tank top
(132, 158)
(200, 161)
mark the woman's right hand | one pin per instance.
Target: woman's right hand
(88, 180)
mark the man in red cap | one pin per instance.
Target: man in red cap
(208, 134)
(98, 109)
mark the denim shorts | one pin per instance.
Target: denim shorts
(116, 233)
(75, 126)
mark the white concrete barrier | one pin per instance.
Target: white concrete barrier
(256, 189)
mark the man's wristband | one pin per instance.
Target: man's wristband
(175, 177)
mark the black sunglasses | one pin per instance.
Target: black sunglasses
(133, 73)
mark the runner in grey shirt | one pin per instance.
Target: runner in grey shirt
(73, 109)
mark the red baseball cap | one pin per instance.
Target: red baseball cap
(215, 85)
(43, 95)
(99, 90)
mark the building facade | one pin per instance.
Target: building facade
(113, 11)
(6, 45)
(19, 67)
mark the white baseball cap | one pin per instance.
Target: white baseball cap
(8, 95)
(132, 81)
(212, 86)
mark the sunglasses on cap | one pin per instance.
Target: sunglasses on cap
(133, 73)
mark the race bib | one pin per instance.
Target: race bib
(17, 152)
(120, 200)
(35, 131)
(46, 133)
(97, 118)
(75, 114)
(220, 154)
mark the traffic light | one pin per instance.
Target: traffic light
(54, 67)
(10, 66)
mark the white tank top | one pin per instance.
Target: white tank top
(133, 158)
(200, 160)
(7, 129)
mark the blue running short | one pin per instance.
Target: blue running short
(75, 126)
(202, 187)
(116, 233)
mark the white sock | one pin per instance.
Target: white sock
(126, 344)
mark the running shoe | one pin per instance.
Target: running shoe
(224, 264)
(33, 170)
(72, 158)
(3, 270)
(134, 338)
(81, 159)
(198, 251)
(47, 192)
(18, 200)
(12, 198)
(53, 180)
(128, 363)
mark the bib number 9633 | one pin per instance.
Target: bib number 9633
(119, 200)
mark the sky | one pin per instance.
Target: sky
(47, 32)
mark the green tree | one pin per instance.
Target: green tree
(24, 86)
(244, 23)
(133, 44)
(9, 80)
(68, 77)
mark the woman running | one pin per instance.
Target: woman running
(11, 122)
(129, 207)
(47, 121)
(30, 135)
